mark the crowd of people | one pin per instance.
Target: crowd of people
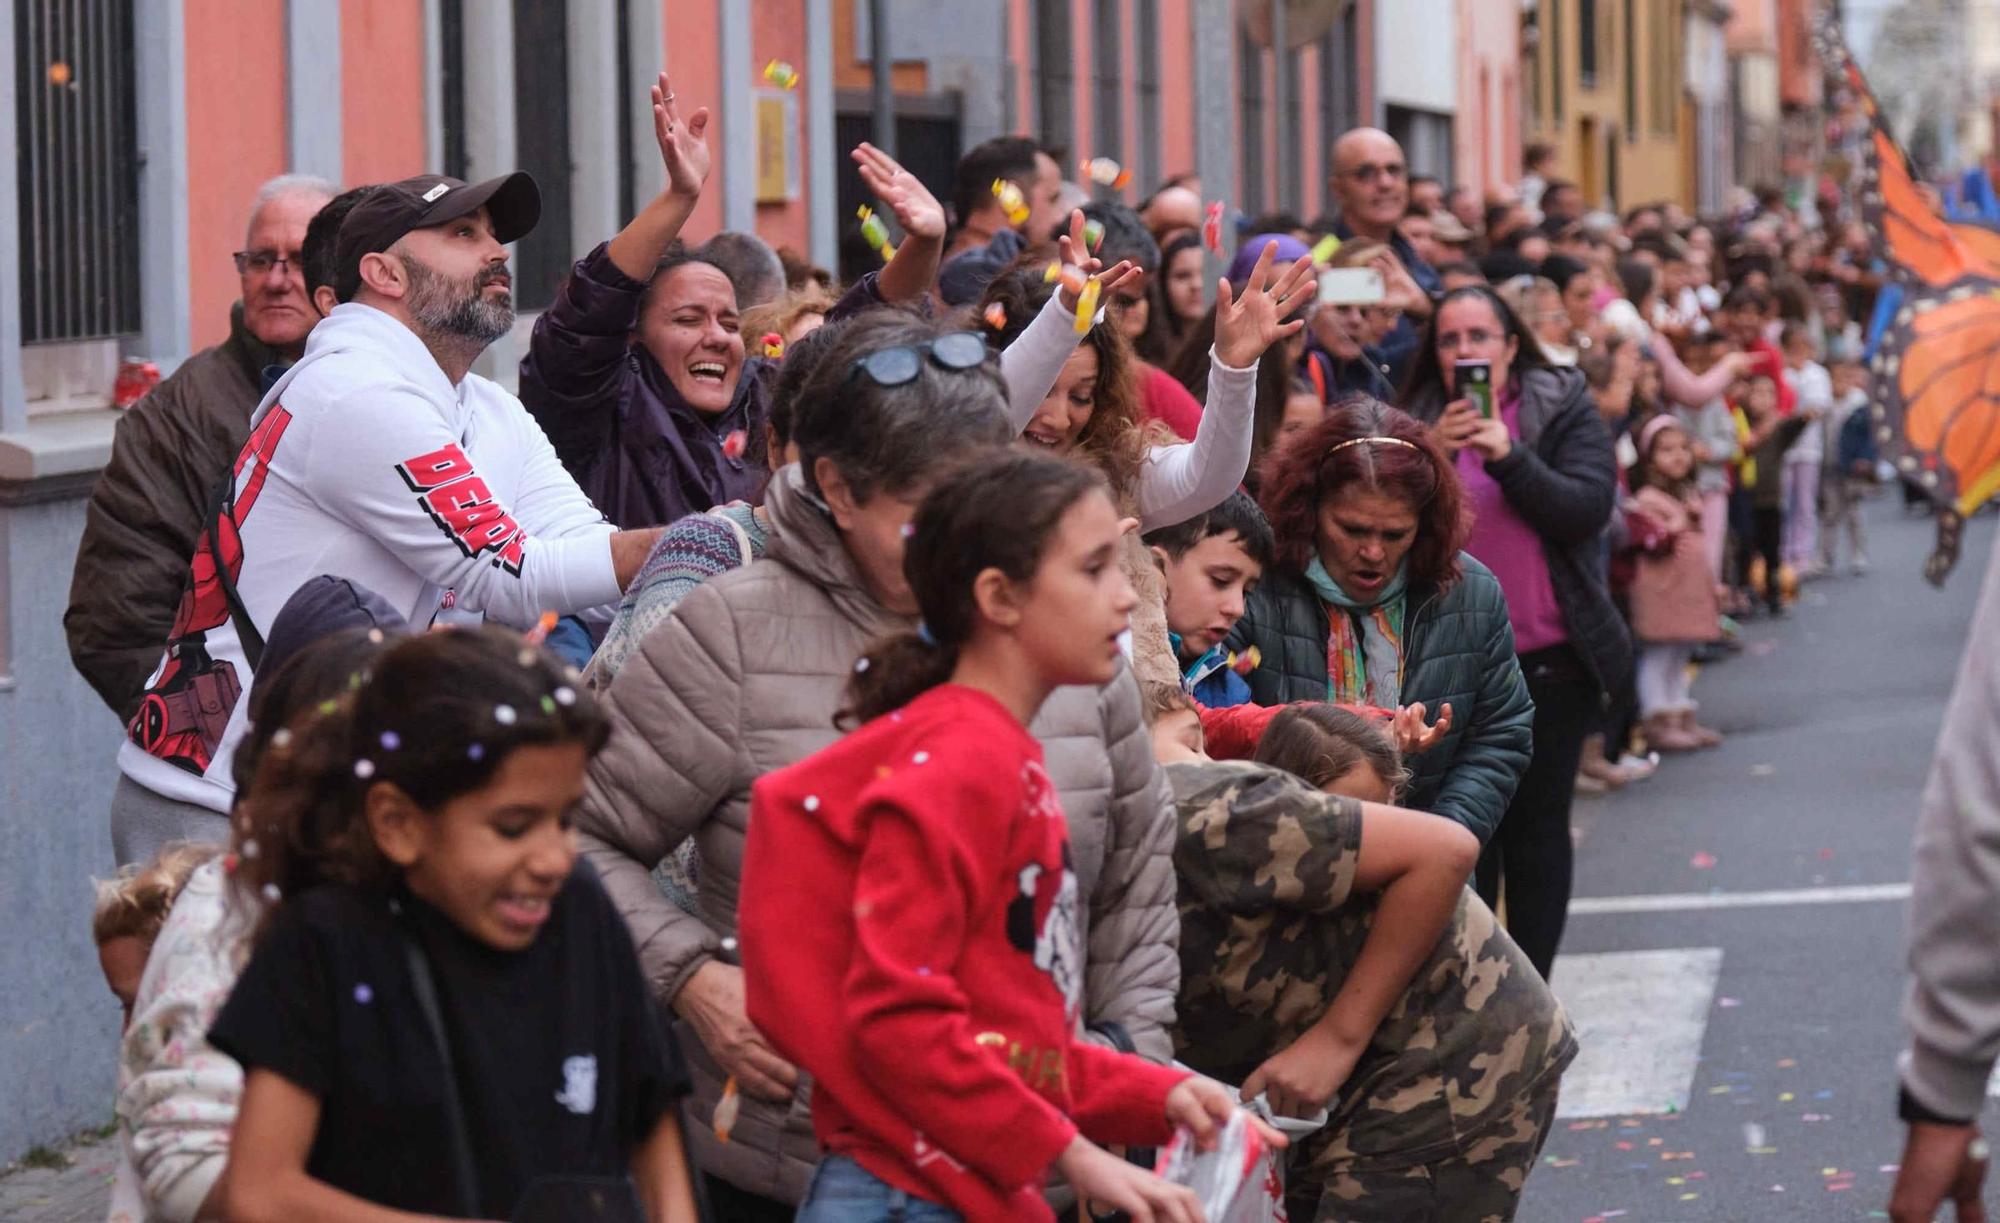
(1013, 706)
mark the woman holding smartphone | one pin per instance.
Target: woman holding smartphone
(1541, 481)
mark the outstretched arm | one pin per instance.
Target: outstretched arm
(684, 150)
(914, 267)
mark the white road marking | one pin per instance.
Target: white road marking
(1639, 1018)
(1678, 901)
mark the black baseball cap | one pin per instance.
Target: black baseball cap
(394, 209)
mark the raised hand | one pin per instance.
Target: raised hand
(1074, 251)
(915, 208)
(683, 144)
(1246, 326)
(1412, 736)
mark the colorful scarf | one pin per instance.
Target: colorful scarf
(1364, 644)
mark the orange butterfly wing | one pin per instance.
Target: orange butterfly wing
(1935, 251)
(1944, 368)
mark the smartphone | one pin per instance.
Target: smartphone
(1475, 382)
(1350, 287)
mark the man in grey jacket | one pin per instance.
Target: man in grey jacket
(1951, 1016)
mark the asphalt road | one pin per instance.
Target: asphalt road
(1749, 1063)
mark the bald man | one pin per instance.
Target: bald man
(1371, 182)
(1173, 209)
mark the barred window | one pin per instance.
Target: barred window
(74, 73)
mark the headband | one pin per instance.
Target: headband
(1363, 441)
(1656, 426)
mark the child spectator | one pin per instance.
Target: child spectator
(177, 1096)
(1805, 457)
(1405, 1011)
(1850, 471)
(1211, 563)
(908, 915)
(1303, 410)
(130, 910)
(1711, 429)
(1762, 438)
(1337, 750)
(442, 1014)
(1673, 593)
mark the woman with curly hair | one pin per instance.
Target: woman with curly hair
(1093, 411)
(1372, 602)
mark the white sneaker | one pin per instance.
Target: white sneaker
(1639, 768)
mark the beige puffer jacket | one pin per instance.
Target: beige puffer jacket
(744, 678)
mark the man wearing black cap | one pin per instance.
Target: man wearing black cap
(381, 459)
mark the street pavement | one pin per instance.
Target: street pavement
(1740, 1048)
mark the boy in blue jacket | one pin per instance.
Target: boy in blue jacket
(1212, 562)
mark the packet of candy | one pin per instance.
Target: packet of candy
(1238, 1181)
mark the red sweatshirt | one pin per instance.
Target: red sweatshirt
(909, 929)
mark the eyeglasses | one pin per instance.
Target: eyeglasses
(959, 351)
(260, 263)
(1368, 172)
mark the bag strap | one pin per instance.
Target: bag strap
(461, 1145)
(224, 506)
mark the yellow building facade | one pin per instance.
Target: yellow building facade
(1606, 88)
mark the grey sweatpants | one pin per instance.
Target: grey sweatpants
(143, 822)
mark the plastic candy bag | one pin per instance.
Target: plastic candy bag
(1240, 1180)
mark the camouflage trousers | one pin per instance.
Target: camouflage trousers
(1481, 1184)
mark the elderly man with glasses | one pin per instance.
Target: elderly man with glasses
(172, 448)
(1371, 183)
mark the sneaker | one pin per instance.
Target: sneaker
(1639, 768)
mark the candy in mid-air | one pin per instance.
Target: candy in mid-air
(875, 233)
(1071, 278)
(1107, 173)
(781, 74)
(1211, 228)
(1086, 305)
(732, 446)
(996, 317)
(1325, 249)
(1246, 662)
(1012, 202)
(1093, 234)
(774, 345)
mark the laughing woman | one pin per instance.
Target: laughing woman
(639, 373)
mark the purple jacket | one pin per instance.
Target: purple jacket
(634, 445)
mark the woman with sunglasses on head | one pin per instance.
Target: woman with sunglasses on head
(1541, 481)
(1372, 602)
(744, 677)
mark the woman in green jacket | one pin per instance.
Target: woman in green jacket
(1373, 603)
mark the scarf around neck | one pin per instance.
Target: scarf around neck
(1364, 645)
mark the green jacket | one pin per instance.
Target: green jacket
(1457, 647)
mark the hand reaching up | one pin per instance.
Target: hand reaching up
(683, 145)
(1247, 325)
(1074, 251)
(915, 208)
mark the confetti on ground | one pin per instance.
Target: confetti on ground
(1702, 861)
(1763, 770)
(1753, 1135)
(1726, 1004)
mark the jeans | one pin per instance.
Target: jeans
(843, 1191)
(1531, 849)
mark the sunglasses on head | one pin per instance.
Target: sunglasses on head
(959, 351)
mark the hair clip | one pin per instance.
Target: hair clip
(1365, 441)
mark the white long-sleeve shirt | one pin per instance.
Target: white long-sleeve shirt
(365, 462)
(1177, 481)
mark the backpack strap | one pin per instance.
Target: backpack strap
(221, 511)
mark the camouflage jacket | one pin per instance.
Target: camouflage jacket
(1270, 927)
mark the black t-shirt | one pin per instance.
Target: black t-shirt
(563, 1063)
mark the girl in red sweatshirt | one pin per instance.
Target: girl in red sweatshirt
(909, 915)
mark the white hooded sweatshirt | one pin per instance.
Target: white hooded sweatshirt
(366, 463)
